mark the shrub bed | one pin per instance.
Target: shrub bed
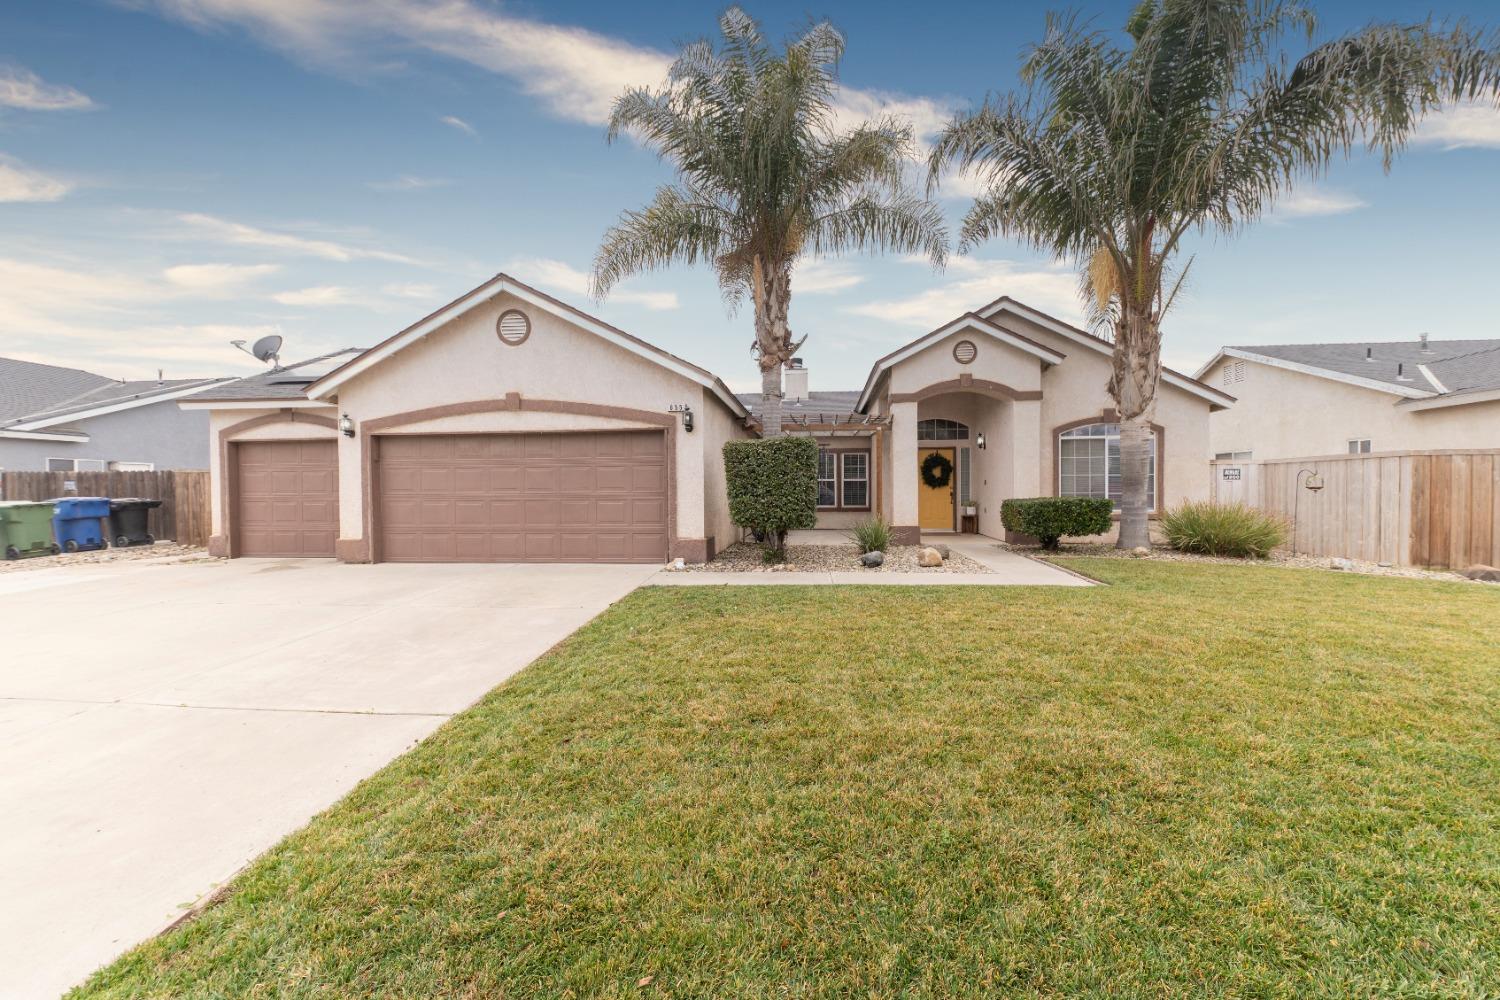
(1049, 518)
(1223, 530)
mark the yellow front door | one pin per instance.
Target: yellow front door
(935, 504)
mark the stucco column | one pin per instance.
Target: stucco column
(905, 529)
(1025, 445)
(352, 545)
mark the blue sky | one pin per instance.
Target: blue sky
(175, 174)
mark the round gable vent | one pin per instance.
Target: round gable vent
(514, 327)
(964, 352)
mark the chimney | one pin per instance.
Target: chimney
(795, 381)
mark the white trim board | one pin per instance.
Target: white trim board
(1077, 336)
(326, 386)
(1292, 366)
(61, 438)
(967, 321)
(255, 404)
(1451, 399)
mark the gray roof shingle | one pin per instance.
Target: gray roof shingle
(30, 388)
(289, 382)
(1459, 364)
(831, 404)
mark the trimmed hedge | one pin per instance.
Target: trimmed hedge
(1049, 518)
(1223, 530)
(773, 485)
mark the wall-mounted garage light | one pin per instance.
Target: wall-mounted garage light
(346, 425)
(687, 415)
(979, 439)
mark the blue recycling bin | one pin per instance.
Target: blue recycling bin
(77, 522)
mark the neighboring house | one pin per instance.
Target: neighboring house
(1305, 400)
(68, 420)
(510, 426)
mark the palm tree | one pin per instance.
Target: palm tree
(763, 178)
(1114, 154)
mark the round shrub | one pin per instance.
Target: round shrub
(1049, 518)
(1211, 529)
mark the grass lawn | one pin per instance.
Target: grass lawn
(1204, 780)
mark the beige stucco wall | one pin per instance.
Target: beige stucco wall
(465, 361)
(715, 426)
(1288, 414)
(280, 430)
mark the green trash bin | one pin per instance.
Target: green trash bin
(26, 529)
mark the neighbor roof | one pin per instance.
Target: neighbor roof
(1438, 368)
(281, 383)
(47, 397)
(830, 404)
(324, 387)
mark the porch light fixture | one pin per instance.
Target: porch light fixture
(687, 415)
(979, 440)
(346, 426)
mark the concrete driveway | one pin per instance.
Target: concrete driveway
(162, 725)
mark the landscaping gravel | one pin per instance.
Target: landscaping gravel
(134, 553)
(745, 557)
(1282, 560)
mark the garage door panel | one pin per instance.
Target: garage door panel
(524, 497)
(285, 499)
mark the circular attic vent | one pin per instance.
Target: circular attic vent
(964, 352)
(513, 327)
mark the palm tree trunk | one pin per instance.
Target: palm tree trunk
(771, 291)
(1132, 383)
(770, 400)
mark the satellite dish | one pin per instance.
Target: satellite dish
(267, 348)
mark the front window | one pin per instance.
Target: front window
(1088, 463)
(828, 483)
(942, 430)
(76, 465)
(843, 480)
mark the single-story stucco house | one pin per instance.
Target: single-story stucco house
(510, 426)
(1356, 397)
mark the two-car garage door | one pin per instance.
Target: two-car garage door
(541, 497)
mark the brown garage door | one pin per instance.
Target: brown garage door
(286, 497)
(585, 497)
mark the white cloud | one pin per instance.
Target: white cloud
(820, 276)
(1461, 126)
(21, 183)
(410, 290)
(1309, 202)
(319, 295)
(1052, 288)
(407, 182)
(238, 234)
(21, 88)
(562, 277)
(216, 278)
(458, 123)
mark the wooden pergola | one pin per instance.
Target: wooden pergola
(844, 425)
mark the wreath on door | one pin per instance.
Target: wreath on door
(937, 471)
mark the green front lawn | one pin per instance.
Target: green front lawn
(1203, 780)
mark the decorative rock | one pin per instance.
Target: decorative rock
(941, 550)
(1341, 564)
(1489, 574)
(1140, 552)
(872, 559)
(929, 558)
(679, 563)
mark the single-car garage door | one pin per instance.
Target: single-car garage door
(571, 497)
(286, 500)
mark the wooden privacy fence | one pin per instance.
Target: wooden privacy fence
(1408, 508)
(183, 515)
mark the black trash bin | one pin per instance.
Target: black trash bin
(127, 522)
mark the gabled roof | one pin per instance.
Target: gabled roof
(502, 283)
(1217, 398)
(60, 397)
(968, 321)
(837, 403)
(1436, 369)
(288, 383)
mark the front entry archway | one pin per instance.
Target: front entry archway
(935, 503)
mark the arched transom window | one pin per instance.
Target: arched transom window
(1088, 463)
(942, 430)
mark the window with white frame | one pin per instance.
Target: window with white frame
(131, 467)
(76, 465)
(1088, 463)
(843, 479)
(828, 479)
(1359, 446)
(942, 430)
(1233, 456)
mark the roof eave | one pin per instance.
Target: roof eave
(1409, 392)
(105, 408)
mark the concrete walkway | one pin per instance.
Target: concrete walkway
(160, 726)
(1008, 569)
